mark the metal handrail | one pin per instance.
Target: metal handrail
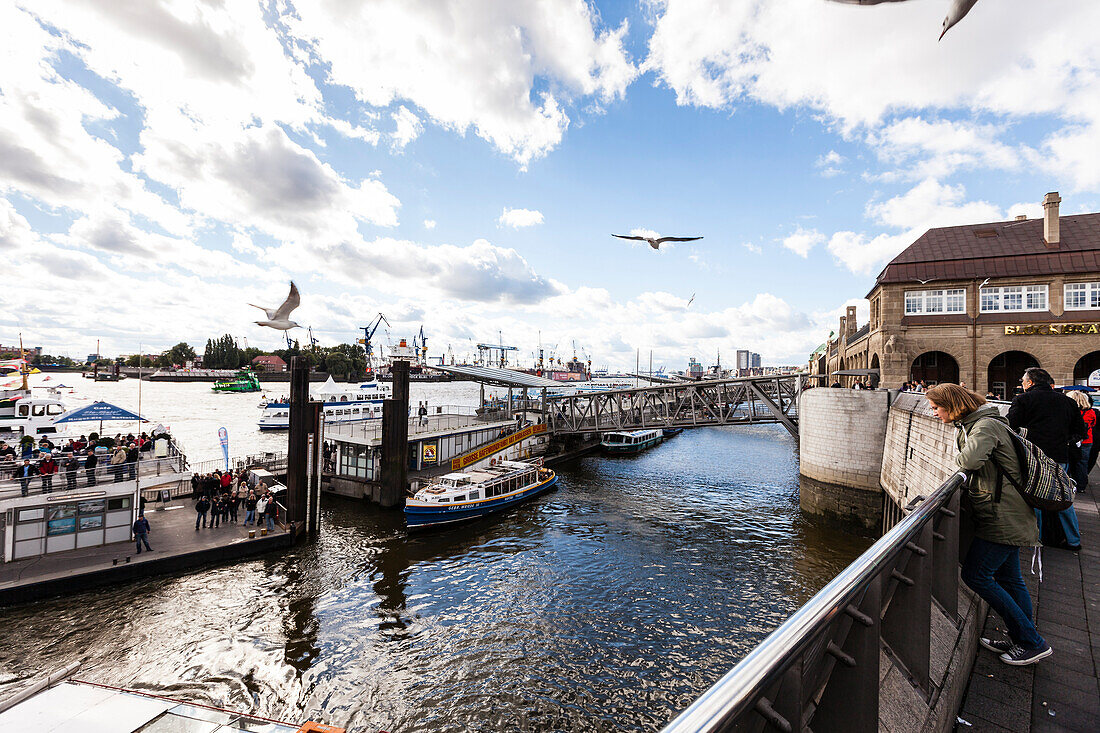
(741, 689)
(105, 473)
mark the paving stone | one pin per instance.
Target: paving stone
(1061, 676)
(998, 712)
(1065, 717)
(1062, 645)
(1051, 691)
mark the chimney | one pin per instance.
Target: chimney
(1021, 217)
(1050, 219)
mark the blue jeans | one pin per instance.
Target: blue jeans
(139, 538)
(249, 516)
(1067, 518)
(1080, 472)
(992, 570)
(270, 521)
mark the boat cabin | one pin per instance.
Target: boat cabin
(487, 482)
(633, 437)
(30, 416)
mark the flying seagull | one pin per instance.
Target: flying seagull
(690, 301)
(279, 318)
(955, 13)
(656, 242)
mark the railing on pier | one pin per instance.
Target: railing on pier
(731, 401)
(273, 461)
(452, 417)
(820, 669)
(103, 473)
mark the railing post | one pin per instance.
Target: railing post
(850, 700)
(907, 624)
(945, 557)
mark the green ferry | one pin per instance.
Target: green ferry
(633, 441)
(245, 381)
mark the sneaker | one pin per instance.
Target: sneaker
(1000, 646)
(1020, 657)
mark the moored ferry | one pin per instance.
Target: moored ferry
(631, 441)
(458, 497)
(343, 403)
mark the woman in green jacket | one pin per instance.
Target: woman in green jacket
(1003, 524)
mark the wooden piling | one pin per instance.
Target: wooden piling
(395, 439)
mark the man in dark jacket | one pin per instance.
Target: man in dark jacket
(23, 472)
(1053, 421)
(89, 466)
(141, 533)
(71, 466)
(201, 508)
(131, 460)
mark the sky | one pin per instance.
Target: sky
(461, 165)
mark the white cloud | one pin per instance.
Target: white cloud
(506, 70)
(408, 127)
(429, 224)
(754, 248)
(519, 218)
(829, 164)
(803, 240)
(939, 148)
(860, 66)
(927, 205)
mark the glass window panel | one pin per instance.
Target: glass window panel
(956, 301)
(1076, 295)
(1012, 299)
(933, 301)
(913, 303)
(1037, 297)
(991, 300)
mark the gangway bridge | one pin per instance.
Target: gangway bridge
(569, 409)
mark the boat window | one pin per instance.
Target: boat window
(475, 495)
(24, 410)
(444, 501)
(54, 409)
(38, 410)
(460, 497)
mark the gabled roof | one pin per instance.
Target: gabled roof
(998, 249)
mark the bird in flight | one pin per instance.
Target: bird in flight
(279, 318)
(690, 301)
(656, 242)
(955, 13)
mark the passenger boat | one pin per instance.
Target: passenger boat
(458, 497)
(671, 432)
(244, 381)
(343, 403)
(632, 441)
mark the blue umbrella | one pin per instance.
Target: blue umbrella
(98, 412)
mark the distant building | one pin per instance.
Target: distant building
(754, 360)
(13, 352)
(979, 304)
(746, 361)
(695, 369)
(269, 363)
(93, 358)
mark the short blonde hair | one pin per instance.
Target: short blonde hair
(958, 401)
(1081, 399)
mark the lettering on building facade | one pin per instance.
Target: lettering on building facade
(1053, 329)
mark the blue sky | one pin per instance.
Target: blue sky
(462, 164)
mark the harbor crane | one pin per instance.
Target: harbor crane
(368, 334)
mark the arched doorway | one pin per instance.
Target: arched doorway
(877, 376)
(1005, 372)
(1085, 366)
(934, 367)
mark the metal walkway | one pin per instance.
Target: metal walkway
(733, 401)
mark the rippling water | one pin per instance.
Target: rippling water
(608, 604)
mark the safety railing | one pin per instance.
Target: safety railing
(820, 669)
(372, 430)
(81, 477)
(275, 462)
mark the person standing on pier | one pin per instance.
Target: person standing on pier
(201, 508)
(71, 466)
(1003, 521)
(47, 468)
(1080, 464)
(24, 473)
(1053, 423)
(250, 509)
(141, 532)
(117, 459)
(90, 464)
(422, 411)
(215, 511)
(131, 460)
(261, 508)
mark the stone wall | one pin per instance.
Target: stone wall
(840, 453)
(919, 452)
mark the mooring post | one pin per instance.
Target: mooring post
(297, 454)
(395, 439)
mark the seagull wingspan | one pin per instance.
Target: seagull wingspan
(676, 239)
(292, 301)
(627, 236)
(270, 313)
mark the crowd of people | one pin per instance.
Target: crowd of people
(1062, 427)
(46, 460)
(221, 494)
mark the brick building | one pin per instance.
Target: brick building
(269, 363)
(979, 304)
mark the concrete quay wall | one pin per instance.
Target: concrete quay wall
(840, 443)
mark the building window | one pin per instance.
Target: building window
(1082, 296)
(918, 302)
(1014, 298)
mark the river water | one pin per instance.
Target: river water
(607, 604)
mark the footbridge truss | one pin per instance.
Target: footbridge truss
(733, 401)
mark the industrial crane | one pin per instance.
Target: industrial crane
(368, 334)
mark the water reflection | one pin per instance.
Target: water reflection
(608, 604)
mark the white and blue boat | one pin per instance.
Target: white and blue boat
(343, 403)
(631, 441)
(459, 497)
